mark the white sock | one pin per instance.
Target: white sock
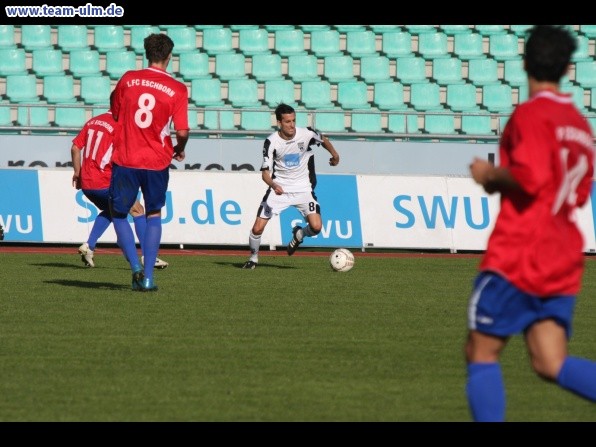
(254, 242)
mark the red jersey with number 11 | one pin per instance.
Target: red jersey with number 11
(548, 147)
(146, 102)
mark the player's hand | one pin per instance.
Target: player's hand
(76, 181)
(480, 170)
(334, 161)
(277, 189)
(179, 156)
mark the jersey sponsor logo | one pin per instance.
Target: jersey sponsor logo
(291, 160)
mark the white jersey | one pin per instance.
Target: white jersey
(291, 162)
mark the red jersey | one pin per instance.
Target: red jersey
(146, 102)
(548, 147)
(95, 141)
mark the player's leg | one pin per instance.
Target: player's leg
(309, 207)
(100, 198)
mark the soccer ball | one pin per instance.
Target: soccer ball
(341, 260)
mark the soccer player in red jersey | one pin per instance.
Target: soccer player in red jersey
(91, 155)
(532, 269)
(145, 103)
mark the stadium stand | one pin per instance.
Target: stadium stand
(361, 43)
(289, 41)
(397, 44)
(22, 88)
(108, 38)
(266, 67)
(433, 45)
(217, 40)
(194, 65)
(7, 33)
(253, 41)
(72, 37)
(375, 69)
(303, 67)
(36, 36)
(84, 63)
(12, 61)
(325, 42)
(59, 89)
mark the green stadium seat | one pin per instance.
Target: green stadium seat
(593, 100)
(219, 119)
(33, 116)
(504, 46)
(501, 122)
(476, 124)
(310, 28)
(96, 90)
(519, 30)
(72, 37)
(206, 92)
(59, 89)
(439, 124)
(366, 123)
(137, 37)
(338, 68)
(468, 46)
(204, 27)
(266, 66)
(330, 121)
(303, 67)
(514, 73)
(353, 95)
(253, 41)
(425, 96)
(411, 70)
(488, 30)
(256, 120)
(396, 123)
(302, 119)
(84, 63)
(119, 62)
(397, 44)
(483, 71)
(230, 66)
(447, 71)
(242, 27)
(452, 30)
(588, 30)
(461, 97)
(316, 94)
(325, 43)
(497, 98)
(273, 28)
(375, 69)
(5, 116)
(289, 41)
(194, 65)
(7, 36)
(279, 91)
(217, 40)
(522, 93)
(583, 49)
(433, 45)
(13, 61)
(585, 73)
(243, 93)
(193, 119)
(22, 88)
(347, 28)
(389, 96)
(380, 29)
(420, 29)
(578, 96)
(70, 117)
(108, 38)
(361, 43)
(47, 61)
(36, 36)
(184, 38)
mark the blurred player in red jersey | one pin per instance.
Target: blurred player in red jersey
(145, 103)
(91, 155)
(532, 269)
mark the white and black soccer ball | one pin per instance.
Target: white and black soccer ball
(341, 260)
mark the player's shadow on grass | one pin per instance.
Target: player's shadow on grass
(59, 265)
(88, 284)
(260, 266)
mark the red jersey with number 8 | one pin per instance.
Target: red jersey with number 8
(146, 103)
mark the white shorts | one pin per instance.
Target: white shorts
(272, 204)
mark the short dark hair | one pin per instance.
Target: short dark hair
(549, 49)
(283, 109)
(158, 47)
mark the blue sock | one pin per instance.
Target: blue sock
(579, 376)
(152, 241)
(140, 227)
(101, 224)
(486, 392)
(126, 241)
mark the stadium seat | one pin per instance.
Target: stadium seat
(501, 122)
(488, 30)
(361, 43)
(476, 124)
(5, 116)
(447, 71)
(256, 120)
(461, 97)
(366, 122)
(519, 30)
(380, 29)
(439, 124)
(274, 28)
(119, 62)
(206, 92)
(7, 36)
(433, 45)
(303, 67)
(33, 116)
(468, 46)
(330, 121)
(389, 96)
(348, 27)
(185, 39)
(84, 63)
(22, 88)
(375, 69)
(578, 96)
(585, 73)
(483, 71)
(497, 98)
(397, 44)
(70, 117)
(36, 36)
(137, 37)
(72, 37)
(411, 70)
(514, 73)
(194, 65)
(353, 95)
(522, 93)
(96, 89)
(338, 68)
(253, 41)
(47, 61)
(504, 46)
(215, 119)
(279, 91)
(583, 49)
(108, 38)
(325, 43)
(396, 123)
(425, 96)
(266, 66)
(420, 29)
(302, 119)
(316, 94)
(242, 27)
(243, 93)
(230, 66)
(452, 30)
(59, 89)
(309, 28)
(289, 41)
(206, 26)
(193, 119)
(217, 40)
(13, 61)
(588, 30)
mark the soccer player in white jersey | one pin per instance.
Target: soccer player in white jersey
(288, 169)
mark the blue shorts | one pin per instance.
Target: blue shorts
(125, 184)
(498, 308)
(98, 197)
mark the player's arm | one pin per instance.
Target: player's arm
(493, 178)
(334, 160)
(266, 176)
(75, 155)
(181, 140)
